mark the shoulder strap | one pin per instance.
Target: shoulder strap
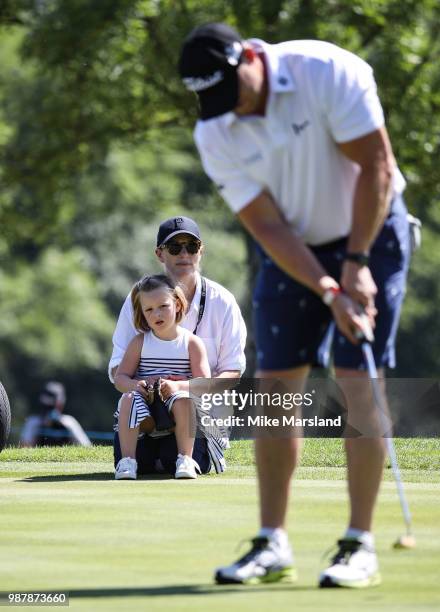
(202, 304)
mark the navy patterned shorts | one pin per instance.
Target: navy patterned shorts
(292, 325)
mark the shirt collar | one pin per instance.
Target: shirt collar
(280, 79)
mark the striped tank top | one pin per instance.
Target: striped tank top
(165, 357)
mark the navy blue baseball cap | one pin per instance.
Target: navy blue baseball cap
(208, 65)
(174, 226)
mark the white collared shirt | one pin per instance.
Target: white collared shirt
(222, 329)
(319, 95)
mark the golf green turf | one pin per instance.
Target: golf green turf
(152, 544)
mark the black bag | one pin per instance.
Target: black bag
(159, 410)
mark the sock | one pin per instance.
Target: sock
(366, 537)
(278, 535)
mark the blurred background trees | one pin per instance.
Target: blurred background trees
(96, 149)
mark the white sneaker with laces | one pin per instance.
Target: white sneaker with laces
(126, 469)
(186, 467)
(265, 562)
(354, 566)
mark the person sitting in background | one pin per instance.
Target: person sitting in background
(162, 348)
(50, 427)
(213, 314)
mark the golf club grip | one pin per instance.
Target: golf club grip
(367, 333)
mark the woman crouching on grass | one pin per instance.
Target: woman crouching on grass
(161, 349)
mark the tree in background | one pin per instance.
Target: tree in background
(96, 148)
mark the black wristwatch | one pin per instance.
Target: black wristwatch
(362, 259)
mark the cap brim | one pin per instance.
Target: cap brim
(220, 99)
(179, 232)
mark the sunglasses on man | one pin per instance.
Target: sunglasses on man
(174, 248)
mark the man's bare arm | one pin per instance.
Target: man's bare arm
(374, 155)
(265, 222)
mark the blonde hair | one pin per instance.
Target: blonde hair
(150, 283)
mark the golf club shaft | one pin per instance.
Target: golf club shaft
(381, 408)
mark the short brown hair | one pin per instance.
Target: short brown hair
(150, 283)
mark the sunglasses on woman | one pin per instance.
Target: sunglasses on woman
(174, 248)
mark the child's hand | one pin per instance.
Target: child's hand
(145, 389)
(170, 386)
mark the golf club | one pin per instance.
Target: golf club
(367, 337)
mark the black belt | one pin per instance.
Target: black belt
(329, 246)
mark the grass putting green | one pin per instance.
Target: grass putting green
(153, 544)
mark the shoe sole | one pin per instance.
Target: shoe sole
(328, 583)
(125, 477)
(288, 574)
(185, 476)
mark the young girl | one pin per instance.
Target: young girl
(163, 348)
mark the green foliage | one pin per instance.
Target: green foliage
(419, 336)
(52, 322)
(108, 75)
(68, 327)
(96, 149)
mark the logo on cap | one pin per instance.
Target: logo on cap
(201, 83)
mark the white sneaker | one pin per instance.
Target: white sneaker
(186, 467)
(126, 469)
(354, 565)
(265, 562)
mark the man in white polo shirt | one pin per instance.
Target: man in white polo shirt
(213, 315)
(293, 137)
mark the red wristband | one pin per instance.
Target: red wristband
(329, 295)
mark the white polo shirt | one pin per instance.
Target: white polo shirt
(221, 328)
(319, 95)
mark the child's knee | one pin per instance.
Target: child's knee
(182, 406)
(125, 405)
